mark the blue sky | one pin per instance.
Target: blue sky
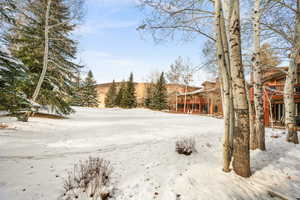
(111, 47)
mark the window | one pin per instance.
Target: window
(272, 87)
(216, 108)
(205, 108)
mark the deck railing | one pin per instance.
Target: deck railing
(278, 89)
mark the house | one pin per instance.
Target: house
(206, 100)
(273, 99)
(141, 92)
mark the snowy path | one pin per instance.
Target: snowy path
(35, 156)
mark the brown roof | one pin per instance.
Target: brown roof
(208, 82)
(274, 73)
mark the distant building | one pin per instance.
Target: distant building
(205, 100)
(273, 99)
(141, 92)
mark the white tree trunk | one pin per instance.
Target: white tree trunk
(46, 54)
(289, 84)
(225, 33)
(185, 91)
(45, 62)
(258, 137)
(251, 117)
(223, 62)
(176, 100)
(241, 153)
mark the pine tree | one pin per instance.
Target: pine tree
(28, 42)
(110, 100)
(120, 94)
(89, 92)
(159, 100)
(129, 98)
(12, 72)
(77, 99)
(7, 8)
(149, 95)
(12, 78)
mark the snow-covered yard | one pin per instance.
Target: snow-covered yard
(35, 157)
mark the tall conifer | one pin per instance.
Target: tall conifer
(129, 98)
(12, 72)
(149, 95)
(120, 94)
(110, 100)
(89, 92)
(27, 43)
(159, 100)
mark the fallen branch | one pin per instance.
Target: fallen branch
(275, 194)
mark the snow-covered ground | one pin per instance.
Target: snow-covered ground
(35, 157)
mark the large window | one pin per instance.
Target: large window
(278, 112)
(205, 108)
(298, 109)
(216, 108)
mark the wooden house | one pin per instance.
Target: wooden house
(206, 100)
(273, 99)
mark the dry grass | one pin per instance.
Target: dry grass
(90, 179)
(2, 125)
(185, 146)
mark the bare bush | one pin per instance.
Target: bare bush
(90, 179)
(186, 146)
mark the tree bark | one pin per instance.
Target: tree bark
(226, 26)
(46, 54)
(176, 100)
(223, 63)
(185, 91)
(253, 138)
(291, 78)
(45, 62)
(241, 154)
(258, 139)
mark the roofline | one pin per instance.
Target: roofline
(168, 84)
(198, 91)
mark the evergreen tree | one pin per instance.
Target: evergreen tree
(129, 98)
(27, 43)
(159, 100)
(12, 78)
(89, 92)
(12, 72)
(110, 100)
(124, 98)
(120, 94)
(7, 8)
(77, 97)
(149, 95)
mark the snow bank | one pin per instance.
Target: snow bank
(140, 143)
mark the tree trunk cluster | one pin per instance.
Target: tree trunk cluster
(291, 79)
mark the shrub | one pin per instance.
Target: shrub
(2, 125)
(90, 179)
(185, 146)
